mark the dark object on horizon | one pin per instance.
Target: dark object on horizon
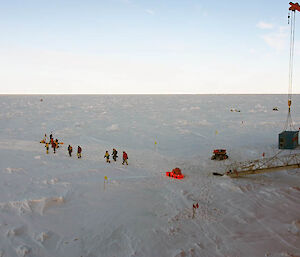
(219, 154)
(288, 139)
(275, 109)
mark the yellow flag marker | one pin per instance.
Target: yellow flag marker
(155, 146)
(217, 132)
(105, 179)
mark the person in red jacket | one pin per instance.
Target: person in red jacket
(53, 146)
(79, 152)
(125, 158)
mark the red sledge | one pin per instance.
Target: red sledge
(175, 173)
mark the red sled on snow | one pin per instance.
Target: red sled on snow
(175, 173)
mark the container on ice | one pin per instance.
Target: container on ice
(288, 139)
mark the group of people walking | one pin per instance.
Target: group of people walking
(55, 144)
(115, 156)
(52, 142)
(79, 150)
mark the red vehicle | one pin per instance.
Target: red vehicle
(219, 154)
(175, 173)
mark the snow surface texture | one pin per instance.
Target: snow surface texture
(56, 205)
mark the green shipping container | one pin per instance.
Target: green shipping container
(288, 140)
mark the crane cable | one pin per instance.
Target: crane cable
(289, 122)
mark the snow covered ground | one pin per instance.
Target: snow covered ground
(54, 205)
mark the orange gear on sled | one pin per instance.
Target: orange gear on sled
(175, 173)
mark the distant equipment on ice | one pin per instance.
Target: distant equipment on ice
(288, 139)
(219, 154)
(275, 108)
(235, 110)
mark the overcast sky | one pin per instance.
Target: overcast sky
(139, 46)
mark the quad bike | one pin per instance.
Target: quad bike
(219, 154)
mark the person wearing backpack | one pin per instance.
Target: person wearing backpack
(70, 149)
(106, 155)
(79, 150)
(115, 154)
(125, 158)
